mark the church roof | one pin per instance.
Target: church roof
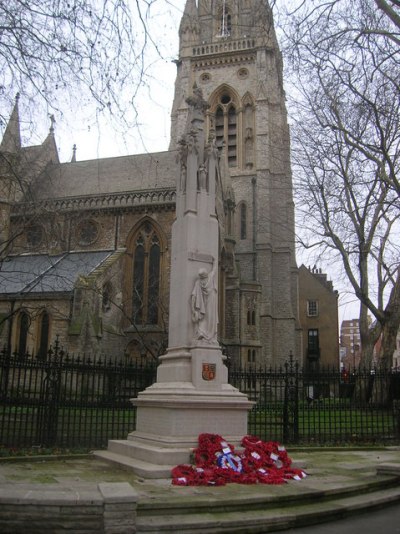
(41, 273)
(108, 175)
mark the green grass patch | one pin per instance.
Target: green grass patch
(332, 423)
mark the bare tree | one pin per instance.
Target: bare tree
(53, 50)
(345, 67)
(50, 52)
(391, 9)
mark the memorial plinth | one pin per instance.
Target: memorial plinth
(191, 395)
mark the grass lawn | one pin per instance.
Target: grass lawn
(328, 422)
(91, 427)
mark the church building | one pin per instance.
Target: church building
(85, 246)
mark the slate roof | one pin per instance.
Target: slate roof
(108, 175)
(42, 273)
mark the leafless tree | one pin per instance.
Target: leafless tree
(51, 51)
(391, 8)
(344, 63)
(69, 53)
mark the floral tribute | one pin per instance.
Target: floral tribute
(217, 463)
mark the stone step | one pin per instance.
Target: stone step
(268, 518)
(148, 452)
(139, 467)
(388, 469)
(255, 498)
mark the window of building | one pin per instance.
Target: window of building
(251, 355)
(226, 127)
(313, 341)
(146, 277)
(225, 22)
(205, 77)
(251, 317)
(243, 221)
(219, 126)
(312, 308)
(87, 232)
(232, 142)
(34, 235)
(107, 296)
(44, 329)
(23, 329)
(243, 73)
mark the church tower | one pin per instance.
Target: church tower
(229, 49)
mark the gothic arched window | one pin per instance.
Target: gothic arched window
(23, 328)
(225, 120)
(251, 356)
(243, 221)
(44, 329)
(232, 120)
(107, 294)
(146, 276)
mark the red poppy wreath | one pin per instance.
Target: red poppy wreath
(217, 463)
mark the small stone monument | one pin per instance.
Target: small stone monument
(191, 395)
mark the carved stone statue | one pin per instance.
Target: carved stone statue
(204, 302)
(197, 104)
(182, 159)
(249, 148)
(202, 178)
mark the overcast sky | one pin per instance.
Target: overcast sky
(100, 137)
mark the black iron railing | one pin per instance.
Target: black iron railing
(321, 406)
(68, 401)
(72, 402)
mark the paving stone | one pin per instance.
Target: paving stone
(94, 488)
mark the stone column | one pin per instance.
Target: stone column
(192, 394)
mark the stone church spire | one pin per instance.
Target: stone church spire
(11, 142)
(49, 145)
(189, 28)
(190, 11)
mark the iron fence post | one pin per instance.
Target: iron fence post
(50, 397)
(5, 370)
(291, 401)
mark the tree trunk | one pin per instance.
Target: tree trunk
(391, 325)
(369, 336)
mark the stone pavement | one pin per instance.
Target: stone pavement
(325, 467)
(329, 472)
(386, 520)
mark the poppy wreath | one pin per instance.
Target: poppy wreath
(265, 453)
(217, 463)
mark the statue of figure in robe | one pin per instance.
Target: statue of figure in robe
(204, 302)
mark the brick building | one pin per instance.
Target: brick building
(86, 244)
(350, 342)
(318, 315)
